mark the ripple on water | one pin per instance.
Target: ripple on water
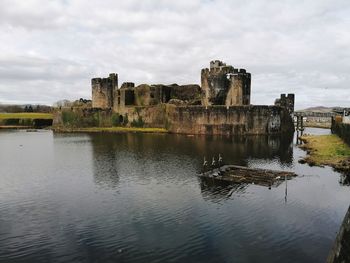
(137, 198)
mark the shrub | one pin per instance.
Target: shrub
(11, 122)
(115, 119)
(138, 123)
(125, 119)
(69, 118)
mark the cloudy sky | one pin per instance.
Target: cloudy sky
(49, 50)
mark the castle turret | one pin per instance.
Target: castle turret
(103, 91)
(225, 85)
(286, 102)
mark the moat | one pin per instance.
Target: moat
(137, 198)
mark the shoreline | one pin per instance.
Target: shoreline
(15, 127)
(313, 125)
(109, 130)
(327, 150)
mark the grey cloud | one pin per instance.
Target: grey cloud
(52, 49)
(28, 68)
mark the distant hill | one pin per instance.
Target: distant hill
(318, 109)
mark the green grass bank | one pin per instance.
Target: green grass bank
(110, 129)
(326, 150)
(25, 120)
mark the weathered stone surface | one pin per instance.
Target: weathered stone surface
(286, 101)
(103, 91)
(213, 120)
(228, 120)
(225, 85)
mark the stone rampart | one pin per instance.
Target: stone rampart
(222, 120)
(211, 120)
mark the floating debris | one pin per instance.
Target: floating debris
(241, 174)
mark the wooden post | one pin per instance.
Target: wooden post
(301, 123)
(298, 122)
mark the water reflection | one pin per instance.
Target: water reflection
(136, 154)
(344, 179)
(105, 161)
(137, 198)
(216, 191)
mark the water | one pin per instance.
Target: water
(137, 198)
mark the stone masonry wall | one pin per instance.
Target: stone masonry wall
(215, 120)
(229, 120)
(225, 85)
(212, 120)
(103, 91)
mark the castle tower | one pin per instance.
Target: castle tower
(287, 102)
(225, 85)
(103, 91)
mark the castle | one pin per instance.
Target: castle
(221, 105)
(221, 85)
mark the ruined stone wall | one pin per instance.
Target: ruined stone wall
(149, 116)
(190, 93)
(149, 95)
(212, 120)
(239, 90)
(225, 85)
(125, 96)
(229, 120)
(103, 91)
(216, 120)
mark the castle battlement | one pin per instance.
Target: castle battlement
(286, 101)
(216, 64)
(127, 85)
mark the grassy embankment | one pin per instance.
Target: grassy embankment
(25, 115)
(22, 119)
(112, 129)
(326, 150)
(318, 125)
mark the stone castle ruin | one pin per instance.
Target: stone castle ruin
(107, 95)
(225, 85)
(221, 105)
(221, 85)
(286, 101)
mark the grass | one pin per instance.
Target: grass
(318, 125)
(112, 129)
(326, 150)
(26, 115)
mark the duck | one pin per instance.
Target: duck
(220, 158)
(205, 163)
(213, 162)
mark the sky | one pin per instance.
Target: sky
(50, 50)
